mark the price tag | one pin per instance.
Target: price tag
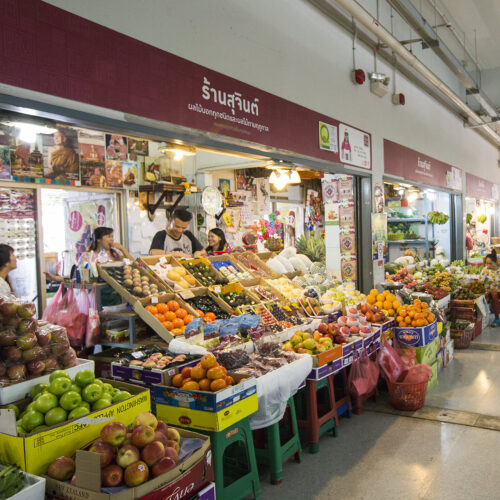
(217, 289)
(127, 262)
(137, 354)
(154, 300)
(186, 294)
(163, 260)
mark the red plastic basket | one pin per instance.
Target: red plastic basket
(478, 328)
(407, 396)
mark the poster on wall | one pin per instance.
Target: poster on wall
(116, 147)
(346, 189)
(130, 171)
(354, 147)
(331, 214)
(60, 155)
(114, 173)
(348, 268)
(91, 148)
(328, 137)
(330, 189)
(263, 195)
(379, 237)
(137, 147)
(26, 160)
(346, 215)
(348, 241)
(4, 162)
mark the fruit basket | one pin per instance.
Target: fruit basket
(407, 396)
(168, 270)
(253, 264)
(235, 296)
(462, 332)
(395, 236)
(206, 304)
(230, 269)
(203, 272)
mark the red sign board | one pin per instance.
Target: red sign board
(412, 165)
(53, 51)
(480, 188)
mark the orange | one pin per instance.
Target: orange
(173, 305)
(414, 323)
(152, 309)
(395, 304)
(178, 323)
(186, 372)
(208, 361)
(411, 314)
(190, 386)
(391, 312)
(162, 308)
(209, 317)
(380, 298)
(425, 305)
(200, 312)
(371, 299)
(168, 325)
(399, 319)
(215, 372)
(176, 331)
(177, 380)
(160, 317)
(181, 313)
(380, 305)
(229, 380)
(224, 370)
(218, 385)
(204, 384)
(198, 372)
(387, 304)
(188, 319)
(407, 320)
(170, 316)
(402, 312)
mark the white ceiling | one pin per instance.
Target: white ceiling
(484, 17)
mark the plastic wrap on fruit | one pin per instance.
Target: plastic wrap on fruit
(231, 360)
(211, 330)
(247, 321)
(194, 327)
(268, 348)
(229, 327)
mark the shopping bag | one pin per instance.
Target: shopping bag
(417, 374)
(93, 322)
(50, 313)
(72, 318)
(390, 362)
(363, 376)
(407, 353)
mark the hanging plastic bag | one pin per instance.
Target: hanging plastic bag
(94, 321)
(72, 319)
(407, 353)
(390, 362)
(50, 313)
(363, 376)
(417, 374)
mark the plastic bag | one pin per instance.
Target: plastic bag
(363, 376)
(93, 329)
(390, 362)
(407, 353)
(70, 317)
(417, 374)
(50, 313)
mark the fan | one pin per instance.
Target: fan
(211, 200)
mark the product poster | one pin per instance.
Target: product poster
(6, 136)
(263, 195)
(137, 147)
(348, 268)
(346, 216)
(4, 162)
(330, 189)
(346, 188)
(354, 147)
(379, 236)
(224, 186)
(130, 171)
(331, 214)
(348, 241)
(156, 168)
(328, 137)
(114, 173)
(91, 147)
(26, 160)
(116, 147)
(60, 155)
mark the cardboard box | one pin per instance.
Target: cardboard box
(206, 420)
(265, 271)
(427, 354)
(200, 292)
(16, 392)
(434, 376)
(207, 493)
(449, 352)
(440, 360)
(416, 336)
(325, 370)
(179, 483)
(205, 400)
(217, 259)
(326, 357)
(34, 452)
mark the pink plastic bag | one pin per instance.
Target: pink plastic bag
(390, 362)
(73, 316)
(363, 376)
(94, 321)
(407, 353)
(50, 313)
(418, 374)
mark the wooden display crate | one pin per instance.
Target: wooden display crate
(233, 288)
(149, 261)
(258, 263)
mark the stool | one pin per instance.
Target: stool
(315, 424)
(273, 453)
(342, 399)
(243, 462)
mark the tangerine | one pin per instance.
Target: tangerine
(176, 331)
(209, 317)
(170, 316)
(181, 313)
(218, 385)
(177, 380)
(208, 361)
(173, 305)
(229, 380)
(168, 325)
(198, 372)
(199, 312)
(215, 373)
(190, 386)
(188, 319)
(178, 323)
(160, 317)
(186, 372)
(204, 384)
(152, 309)
(162, 307)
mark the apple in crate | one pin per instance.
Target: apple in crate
(164, 465)
(113, 433)
(153, 452)
(136, 474)
(145, 418)
(105, 450)
(142, 435)
(127, 455)
(61, 469)
(111, 476)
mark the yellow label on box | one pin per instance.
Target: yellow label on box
(206, 420)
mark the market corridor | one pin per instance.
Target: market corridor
(380, 455)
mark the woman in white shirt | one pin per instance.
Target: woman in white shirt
(8, 263)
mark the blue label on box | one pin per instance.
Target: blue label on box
(347, 349)
(325, 370)
(358, 344)
(416, 336)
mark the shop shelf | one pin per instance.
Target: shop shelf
(406, 219)
(407, 242)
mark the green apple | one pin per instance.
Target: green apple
(76, 388)
(55, 416)
(32, 419)
(85, 377)
(100, 404)
(85, 405)
(60, 385)
(40, 428)
(46, 402)
(20, 430)
(70, 400)
(120, 396)
(38, 389)
(31, 406)
(79, 411)
(57, 374)
(98, 381)
(15, 408)
(108, 388)
(92, 392)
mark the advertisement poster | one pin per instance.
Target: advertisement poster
(331, 214)
(346, 215)
(263, 196)
(91, 147)
(328, 137)
(137, 147)
(4, 162)
(116, 147)
(330, 189)
(60, 155)
(130, 171)
(346, 188)
(348, 268)
(114, 173)
(379, 236)
(355, 147)
(26, 160)
(348, 241)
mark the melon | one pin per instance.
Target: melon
(173, 276)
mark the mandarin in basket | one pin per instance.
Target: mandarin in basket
(186, 372)
(218, 385)
(181, 313)
(208, 361)
(170, 316)
(176, 331)
(188, 319)
(177, 380)
(229, 380)
(152, 309)
(198, 372)
(178, 323)
(200, 312)
(160, 317)
(168, 325)
(190, 386)
(173, 305)
(209, 317)
(215, 372)
(204, 384)
(162, 308)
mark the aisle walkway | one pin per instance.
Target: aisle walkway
(384, 456)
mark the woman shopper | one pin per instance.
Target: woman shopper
(8, 263)
(491, 276)
(217, 241)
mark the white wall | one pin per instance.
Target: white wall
(292, 50)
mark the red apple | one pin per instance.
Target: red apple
(128, 439)
(145, 418)
(142, 436)
(323, 328)
(153, 452)
(365, 308)
(105, 450)
(354, 330)
(164, 465)
(136, 474)
(127, 455)
(174, 444)
(173, 434)
(172, 453)
(159, 436)
(61, 468)
(113, 433)
(162, 427)
(111, 476)
(344, 330)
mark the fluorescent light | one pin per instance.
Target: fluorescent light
(273, 178)
(282, 181)
(178, 150)
(29, 131)
(412, 197)
(294, 177)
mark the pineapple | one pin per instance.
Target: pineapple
(313, 247)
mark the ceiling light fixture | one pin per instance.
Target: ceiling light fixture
(178, 150)
(283, 179)
(29, 131)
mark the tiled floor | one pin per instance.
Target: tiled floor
(381, 456)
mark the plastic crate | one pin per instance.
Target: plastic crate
(478, 328)
(466, 313)
(407, 396)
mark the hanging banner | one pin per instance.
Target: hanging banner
(480, 188)
(379, 237)
(355, 147)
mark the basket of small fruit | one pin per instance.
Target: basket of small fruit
(461, 332)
